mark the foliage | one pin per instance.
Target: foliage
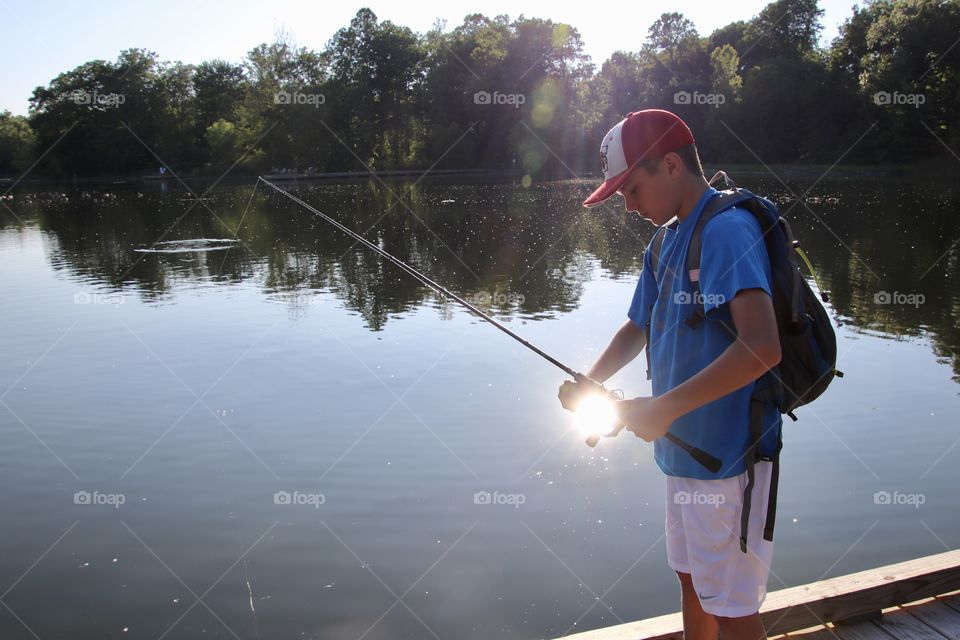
(519, 94)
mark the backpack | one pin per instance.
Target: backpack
(808, 342)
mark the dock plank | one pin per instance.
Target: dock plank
(952, 601)
(939, 616)
(862, 631)
(822, 633)
(666, 627)
(901, 624)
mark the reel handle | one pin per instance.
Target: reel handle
(594, 438)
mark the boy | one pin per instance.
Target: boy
(703, 377)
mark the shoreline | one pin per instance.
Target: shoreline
(926, 171)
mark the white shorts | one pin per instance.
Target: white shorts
(703, 539)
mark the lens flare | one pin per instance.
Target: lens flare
(595, 415)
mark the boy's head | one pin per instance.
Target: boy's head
(650, 158)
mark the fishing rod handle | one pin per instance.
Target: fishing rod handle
(709, 462)
(706, 460)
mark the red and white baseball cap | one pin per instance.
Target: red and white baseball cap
(651, 133)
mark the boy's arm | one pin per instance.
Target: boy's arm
(626, 344)
(755, 351)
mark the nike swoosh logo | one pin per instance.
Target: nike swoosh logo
(703, 597)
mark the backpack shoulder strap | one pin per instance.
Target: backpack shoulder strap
(656, 244)
(723, 201)
(720, 203)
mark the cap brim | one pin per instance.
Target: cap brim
(607, 189)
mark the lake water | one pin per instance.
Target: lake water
(283, 436)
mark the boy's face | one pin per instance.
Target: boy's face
(653, 196)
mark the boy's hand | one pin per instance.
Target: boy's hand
(646, 417)
(571, 394)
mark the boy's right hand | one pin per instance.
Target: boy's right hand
(573, 392)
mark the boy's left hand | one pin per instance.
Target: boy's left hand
(646, 417)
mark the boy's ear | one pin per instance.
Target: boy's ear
(675, 165)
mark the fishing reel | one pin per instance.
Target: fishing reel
(596, 414)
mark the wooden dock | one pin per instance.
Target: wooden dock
(918, 599)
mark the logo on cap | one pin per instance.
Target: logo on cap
(603, 159)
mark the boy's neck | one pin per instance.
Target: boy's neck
(692, 192)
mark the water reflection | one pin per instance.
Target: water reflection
(886, 251)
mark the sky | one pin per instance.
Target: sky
(42, 38)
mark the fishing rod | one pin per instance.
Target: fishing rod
(704, 458)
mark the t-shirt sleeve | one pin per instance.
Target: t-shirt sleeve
(733, 257)
(645, 294)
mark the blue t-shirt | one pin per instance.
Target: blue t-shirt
(733, 258)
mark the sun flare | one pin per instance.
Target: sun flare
(595, 415)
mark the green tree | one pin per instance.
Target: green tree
(912, 70)
(678, 55)
(672, 36)
(219, 89)
(726, 78)
(726, 87)
(547, 60)
(375, 76)
(283, 104)
(17, 143)
(112, 112)
(732, 34)
(784, 28)
(849, 48)
(536, 68)
(676, 67)
(901, 58)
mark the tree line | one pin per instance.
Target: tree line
(518, 94)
